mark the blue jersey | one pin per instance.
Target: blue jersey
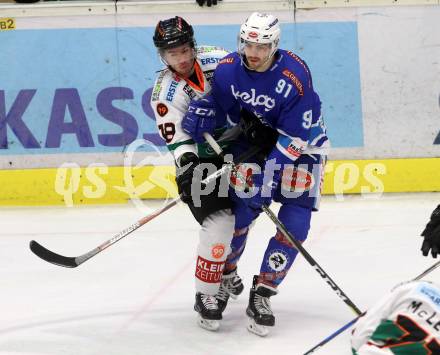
(281, 97)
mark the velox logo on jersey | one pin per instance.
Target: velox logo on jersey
(297, 179)
(209, 271)
(253, 99)
(218, 250)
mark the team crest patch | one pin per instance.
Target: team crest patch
(295, 81)
(217, 251)
(161, 109)
(277, 260)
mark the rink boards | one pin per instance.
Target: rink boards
(74, 99)
(99, 184)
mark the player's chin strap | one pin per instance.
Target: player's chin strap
(295, 242)
(353, 321)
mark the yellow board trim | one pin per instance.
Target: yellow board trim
(7, 24)
(92, 185)
(99, 184)
(377, 176)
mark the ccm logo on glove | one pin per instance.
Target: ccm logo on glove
(200, 111)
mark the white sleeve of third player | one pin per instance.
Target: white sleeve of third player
(367, 324)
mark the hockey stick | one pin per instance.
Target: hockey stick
(312, 261)
(353, 321)
(296, 243)
(74, 261)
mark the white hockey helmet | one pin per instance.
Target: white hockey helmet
(260, 28)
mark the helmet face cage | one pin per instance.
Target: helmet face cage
(261, 29)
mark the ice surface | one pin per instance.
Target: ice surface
(137, 296)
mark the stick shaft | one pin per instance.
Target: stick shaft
(72, 262)
(295, 242)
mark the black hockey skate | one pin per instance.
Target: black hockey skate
(231, 286)
(209, 313)
(259, 311)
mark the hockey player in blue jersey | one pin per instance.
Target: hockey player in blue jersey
(265, 89)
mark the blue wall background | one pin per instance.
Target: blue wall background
(101, 78)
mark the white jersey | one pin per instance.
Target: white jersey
(172, 94)
(406, 322)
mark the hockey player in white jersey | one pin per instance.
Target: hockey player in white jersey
(187, 75)
(431, 234)
(405, 322)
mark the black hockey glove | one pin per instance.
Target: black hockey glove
(256, 132)
(432, 235)
(186, 177)
(208, 2)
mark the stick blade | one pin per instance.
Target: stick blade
(52, 257)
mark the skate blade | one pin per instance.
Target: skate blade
(258, 329)
(208, 324)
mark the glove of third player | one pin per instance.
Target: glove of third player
(432, 235)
